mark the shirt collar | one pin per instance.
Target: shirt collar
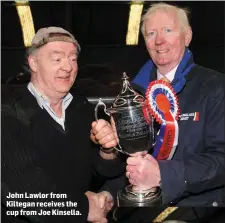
(41, 99)
(170, 75)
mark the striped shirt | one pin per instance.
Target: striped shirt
(44, 103)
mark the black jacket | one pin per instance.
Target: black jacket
(39, 156)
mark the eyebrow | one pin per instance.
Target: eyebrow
(74, 52)
(55, 52)
(61, 52)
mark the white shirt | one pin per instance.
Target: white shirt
(44, 103)
(170, 75)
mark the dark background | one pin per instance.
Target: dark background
(100, 28)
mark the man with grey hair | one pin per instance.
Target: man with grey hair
(194, 176)
(46, 147)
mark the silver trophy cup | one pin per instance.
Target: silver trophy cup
(134, 127)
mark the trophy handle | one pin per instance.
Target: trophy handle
(101, 103)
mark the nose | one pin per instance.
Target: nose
(67, 66)
(159, 39)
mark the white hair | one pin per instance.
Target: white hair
(182, 14)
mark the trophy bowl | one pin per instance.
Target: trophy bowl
(133, 130)
(134, 127)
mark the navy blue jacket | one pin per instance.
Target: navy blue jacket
(195, 175)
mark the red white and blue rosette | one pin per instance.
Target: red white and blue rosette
(162, 104)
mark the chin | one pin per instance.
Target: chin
(163, 63)
(63, 87)
(63, 90)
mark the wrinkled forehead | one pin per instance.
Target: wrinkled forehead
(162, 17)
(60, 47)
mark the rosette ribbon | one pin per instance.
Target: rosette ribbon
(162, 104)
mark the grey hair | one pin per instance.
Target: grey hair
(26, 66)
(182, 14)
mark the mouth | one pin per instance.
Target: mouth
(63, 77)
(162, 51)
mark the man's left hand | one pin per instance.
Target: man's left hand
(143, 171)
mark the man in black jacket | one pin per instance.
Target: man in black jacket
(47, 157)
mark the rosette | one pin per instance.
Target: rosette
(162, 104)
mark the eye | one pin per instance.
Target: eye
(150, 34)
(56, 59)
(73, 59)
(167, 30)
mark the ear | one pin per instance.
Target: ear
(188, 36)
(32, 61)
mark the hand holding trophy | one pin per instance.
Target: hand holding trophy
(134, 127)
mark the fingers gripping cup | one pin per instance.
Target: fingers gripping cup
(134, 127)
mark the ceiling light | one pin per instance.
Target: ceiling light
(26, 21)
(136, 8)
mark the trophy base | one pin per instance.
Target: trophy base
(139, 198)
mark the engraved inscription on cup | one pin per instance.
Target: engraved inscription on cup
(133, 131)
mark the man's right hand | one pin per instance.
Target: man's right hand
(104, 134)
(99, 205)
